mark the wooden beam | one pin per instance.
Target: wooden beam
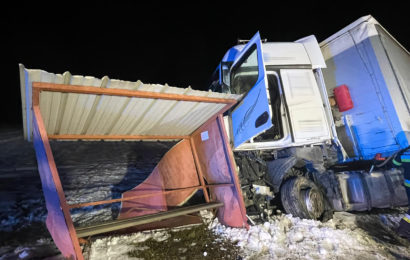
(119, 137)
(101, 202)
(35, 95)
(125, 93)
(126, 223)
(199, 170)
(57, 181)
(232, 167)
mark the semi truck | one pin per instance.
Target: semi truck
(319, 124)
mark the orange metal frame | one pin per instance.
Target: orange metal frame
(37, 87)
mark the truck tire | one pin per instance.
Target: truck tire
(302, 198)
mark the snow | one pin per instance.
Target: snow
(118, 247)
(23, 254)
(292, 238)
(89, 171)
(283, 237)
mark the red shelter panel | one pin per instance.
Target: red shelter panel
(217, 167)
(56, 222)
(173, 181)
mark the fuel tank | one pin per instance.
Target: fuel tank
(361, 190)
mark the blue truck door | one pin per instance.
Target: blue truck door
(248, 76)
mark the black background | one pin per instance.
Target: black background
(180, 44)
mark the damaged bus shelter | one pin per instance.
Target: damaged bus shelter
(66, 107)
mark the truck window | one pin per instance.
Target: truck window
(245, 74)
(276, 131)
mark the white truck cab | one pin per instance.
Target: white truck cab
(284, 98)
(283, 130)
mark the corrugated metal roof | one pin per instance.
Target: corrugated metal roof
(72, 113)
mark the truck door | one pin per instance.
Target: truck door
(305, 105)
(248, 77)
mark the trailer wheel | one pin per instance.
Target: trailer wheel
(302, 198)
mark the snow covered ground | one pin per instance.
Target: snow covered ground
(285, 237)
(116, 167)
(293, 238)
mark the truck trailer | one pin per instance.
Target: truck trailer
(319, 124)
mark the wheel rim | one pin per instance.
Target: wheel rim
(313, 201)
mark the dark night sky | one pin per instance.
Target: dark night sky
(180, 46)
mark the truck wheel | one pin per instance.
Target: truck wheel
(302, 198)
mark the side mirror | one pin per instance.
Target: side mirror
(225, 74)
